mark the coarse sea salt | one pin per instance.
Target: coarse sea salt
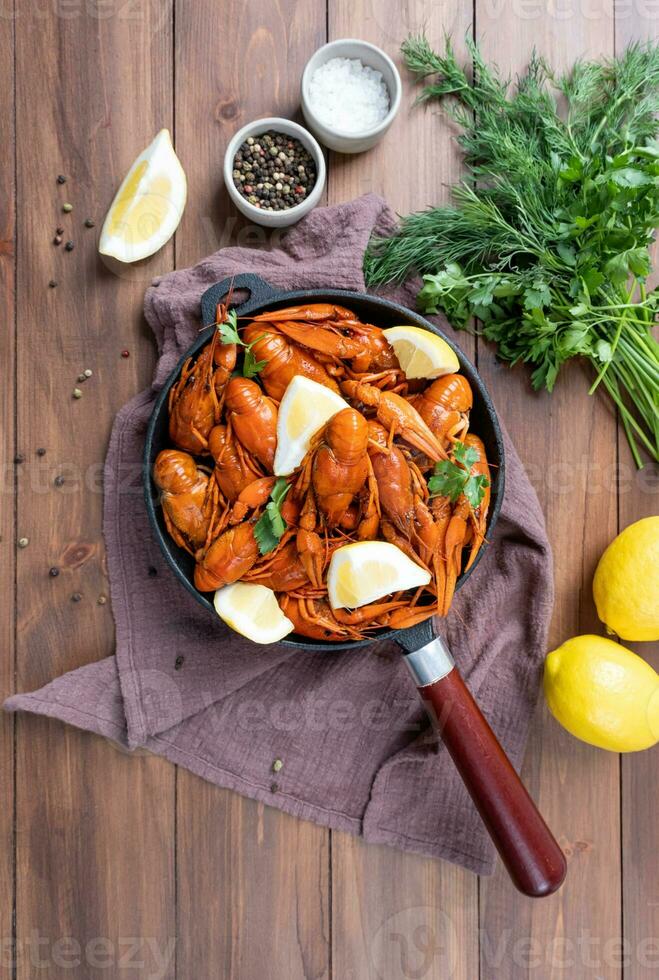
(347, 96)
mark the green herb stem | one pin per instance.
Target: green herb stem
(546, 242)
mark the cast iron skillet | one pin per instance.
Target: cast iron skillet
(533, 858)
(371, 309)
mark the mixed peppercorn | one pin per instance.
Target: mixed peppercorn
(273, 171)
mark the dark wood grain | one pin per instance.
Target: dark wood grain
(640, 830)
(638, 497)
(98, 836)
(253, 883)
(95, 839)
(235, 62)
(393, 912)
(397, 916)
(253, 898)
(7, 449)
(568, 443)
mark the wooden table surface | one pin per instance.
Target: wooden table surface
(118, 866)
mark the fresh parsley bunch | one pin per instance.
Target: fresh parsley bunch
(547, 242)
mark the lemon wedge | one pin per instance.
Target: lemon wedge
(148, 206)
(420, 353)
(253, 611)
(364, 571)
(305, 408)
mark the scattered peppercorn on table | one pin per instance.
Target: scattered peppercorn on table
(123, 865)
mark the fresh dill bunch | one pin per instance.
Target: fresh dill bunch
(546, 241)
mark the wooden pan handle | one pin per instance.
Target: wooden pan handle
(525, 843)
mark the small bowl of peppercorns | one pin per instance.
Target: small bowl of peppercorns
(274, 171)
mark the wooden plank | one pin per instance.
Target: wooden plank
(638, 498)
(395, 912)
(7, 450)
(412, 166)
(255, 72)
(253, 888)
(397, 915)
(568, 443)
(95, 826)
(253, 882)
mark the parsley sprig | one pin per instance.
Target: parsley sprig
(453, 477)
(271, 525)
(229, 334)
(251, 367)
(546, 243)
(228, 329)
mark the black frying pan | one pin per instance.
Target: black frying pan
(532, 856)
(371, 309)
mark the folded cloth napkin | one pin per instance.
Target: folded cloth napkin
(354, 740)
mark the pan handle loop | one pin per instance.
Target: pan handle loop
(259, 290)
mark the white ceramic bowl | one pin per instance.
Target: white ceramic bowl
(275, 219)
(369, 55)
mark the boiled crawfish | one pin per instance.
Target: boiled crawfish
(189, 498)
(235, 468)
(445, 406)
(466, 525)
(195, 401)
(253, 418)
(333, 332)
(283, 360)
(227, 559)
(281, 570)
(312, 616)
(336, 471)
(406, 518)
(362, 478)
(398, 416)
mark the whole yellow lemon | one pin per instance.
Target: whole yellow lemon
(626, 583)
(603, 694)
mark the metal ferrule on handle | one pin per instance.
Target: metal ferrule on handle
(430, 663)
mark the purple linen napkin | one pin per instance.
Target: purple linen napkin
(356, 747)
